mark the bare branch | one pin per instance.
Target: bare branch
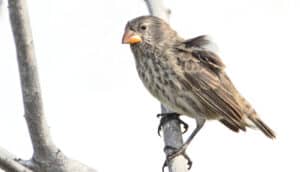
(173, 137)
(33, 107)
(8, 162)
(1, 7)
(46, 156)
(157, 8)
(171, 129)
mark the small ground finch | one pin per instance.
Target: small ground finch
(186, 76)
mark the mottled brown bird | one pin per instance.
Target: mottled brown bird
(187, 77)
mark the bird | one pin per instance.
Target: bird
(188, 77)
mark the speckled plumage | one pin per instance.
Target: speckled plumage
(187, 77)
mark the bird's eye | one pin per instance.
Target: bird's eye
(143, 27)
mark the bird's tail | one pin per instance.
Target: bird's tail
(251, 118)
(262, 127)
(254, 120)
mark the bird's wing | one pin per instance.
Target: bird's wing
(206, 78)
(201, 48)
(208, 87)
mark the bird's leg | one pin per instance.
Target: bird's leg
(181, 150)
(168, 116)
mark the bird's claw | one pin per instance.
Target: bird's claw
(175, 153)
(168, 116)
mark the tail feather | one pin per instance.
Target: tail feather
(252, 116)
(229, 125)
(232, 126)
(263, 127)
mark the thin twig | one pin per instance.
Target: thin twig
(8, 162)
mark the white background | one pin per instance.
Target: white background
(98, 110)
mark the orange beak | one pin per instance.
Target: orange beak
(131, 37)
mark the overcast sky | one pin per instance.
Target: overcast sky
(100, 113)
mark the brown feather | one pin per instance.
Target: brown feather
(263, 127)
(229, 125)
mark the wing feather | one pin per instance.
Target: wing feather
(205, 79)
(200, 47)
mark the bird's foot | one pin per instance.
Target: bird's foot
(176, 152)
(164, 117)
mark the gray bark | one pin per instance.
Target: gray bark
(8, 162)
(41, 140)
(171, 129)
(46, 156)
(1, 6)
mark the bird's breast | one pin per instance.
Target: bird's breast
(155, 72)
(158, 75)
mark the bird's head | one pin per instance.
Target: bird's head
(147, 29)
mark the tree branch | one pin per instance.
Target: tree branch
(173, 137)
(33, 107)
(46, 156)
(157, 8)
(171, 129)
(8, 162)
